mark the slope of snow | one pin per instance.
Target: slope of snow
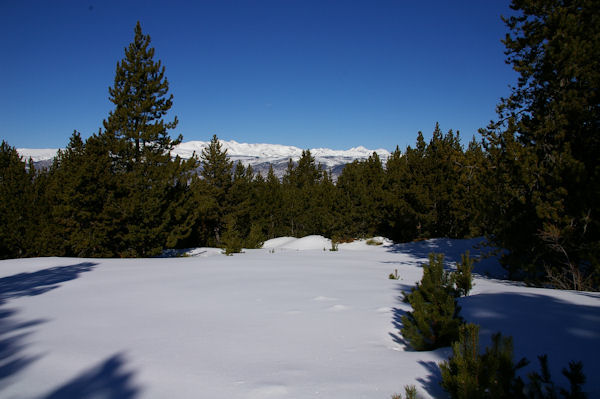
(286, 323)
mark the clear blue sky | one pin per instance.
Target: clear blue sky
(307, 73)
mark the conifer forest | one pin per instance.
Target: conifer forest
(529, 181)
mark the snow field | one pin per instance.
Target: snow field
(286, 321)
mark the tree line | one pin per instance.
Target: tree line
(530, 184)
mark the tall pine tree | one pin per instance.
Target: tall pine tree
(545, 144)
(16, 198)
(140, 147)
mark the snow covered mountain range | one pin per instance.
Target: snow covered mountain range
(260, 156)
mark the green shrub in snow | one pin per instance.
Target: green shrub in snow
(434, 320)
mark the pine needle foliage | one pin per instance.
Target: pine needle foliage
(462, 277)
(468, 374)
(16, 197)
(434, 320)
(544, 146)
(410, 392)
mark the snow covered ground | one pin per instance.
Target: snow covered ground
(291, 320)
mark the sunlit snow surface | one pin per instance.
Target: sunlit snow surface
(291, 320)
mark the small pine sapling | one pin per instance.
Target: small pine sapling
(576, 380)
(232, 241)
(499, 371)
(468, 374)
(410, 392)
(434, 320)
(461, 373)
(394, 276)
(462, 277)
(541, 384)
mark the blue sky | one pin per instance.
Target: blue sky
(322, 73)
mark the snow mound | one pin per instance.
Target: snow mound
(278, 242)
(299, 244)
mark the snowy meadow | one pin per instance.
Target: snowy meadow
(290, 320)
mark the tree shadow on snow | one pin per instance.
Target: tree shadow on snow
(431, 382)
(13, 338)
(540, 324)
(14, 333)
(107, 380)
(36, 283)
(485, 265)
(397, 314)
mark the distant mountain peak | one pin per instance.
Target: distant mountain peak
(259, 155)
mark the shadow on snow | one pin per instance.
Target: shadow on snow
(36, 283)
(540, 324)
(13, 333)
(485, 265)
(107, 380)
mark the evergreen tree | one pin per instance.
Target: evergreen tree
(545, 145)
(75, 192)
(301, 193)
(416, 190)
(360, 187)
(140, 149)
(16, 200)
(216, 170)
(399, 218)
(468, 374)
(434, 320)
(271, 202)
(471, 375)
(140, 97)
(474, 189)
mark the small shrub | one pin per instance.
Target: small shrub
(462, 277)
(232, 241)
(410, 392)
(541, 385)
(467, 374)
(471, 375)
(334, 245)
(461, 372)
(372, 241)
(434, 320)
(394, 276)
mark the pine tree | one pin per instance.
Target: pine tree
(399, 218)
(74, 192)
(271, 201)
(16, 199)
(471, 375)
(360, 187)
(434, 320)
(216, 170)
(545, 145)
(140, 97)
(140, 148)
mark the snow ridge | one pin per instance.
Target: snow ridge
(262, 152)
(259, 155)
